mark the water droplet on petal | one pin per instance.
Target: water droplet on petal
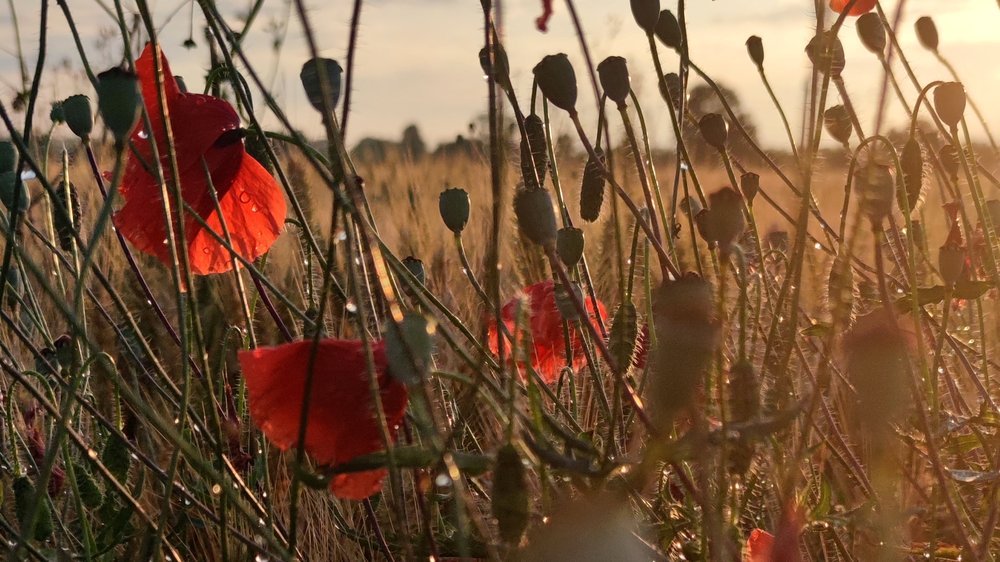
(142, 134)
(244, 197)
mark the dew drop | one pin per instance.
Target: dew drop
(244, 197)
(142, 134)
(253, 209)
(216, 490)
(351, 307)
(205, 251)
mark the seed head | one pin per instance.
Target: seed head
(646, 14)
(569, 245)
(613, 72)
(536, 216)
(78, 115)
(749, 185)
(872, 33)
(557, 81)
(454, 206)
(825, 51)
(838, 124)
(927, 33)
(668, 31)
(118, 100)
(949, 102)
(313, 82)
(714, 130)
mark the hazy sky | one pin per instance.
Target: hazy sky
(417, 60)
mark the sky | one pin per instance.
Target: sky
(417, 60)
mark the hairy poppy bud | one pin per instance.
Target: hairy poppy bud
(569, 245)
(408, 347)
(672, 83)
(501, 65)
(533, 149)
(557, 81)
(668, 31)
(725, 221)
(838, 124)
(949, 102)
(510, 495)
(927, 33)
(755, 48)
(749, 185)
(592, 188)
(8, 156)
(613, 72)
(76, 109)
(118, 100)
(876, 190)
(646, 14)
(840, 291)
(911, 188)
(951, 263)
(313, 82)
(714, 130)
(824, 50)
(454, 206)
(415, 267)
(536, 216)
(950, 160)
(871, 32)
(624, 334)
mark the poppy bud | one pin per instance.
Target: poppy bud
(823, 46)
(950, 160)
(927, 33)
(11, 189)
(624, 334)
(564, 301)
(66, 214)
(76, 109)
(8, 156)
(313, 82)
(510, 495)
(415, 267)
(118, 100)
(876, 190)
(592, 188)
(951, 263)
(557, 81)
(911, 162)
(533, 149)
(871, 32)
(714, 130)
(749, 185)
(56, 113)
(646, 14)
(569, 245)
(613, 72)
(725, 221)
(408, 347)
(949, 102)
(838, 124)
(454, 206)
(755, 48)
(671, 85)
(536, 216)
(501, 65)
(668, 31)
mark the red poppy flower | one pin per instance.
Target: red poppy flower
(546, 343)
(759, 546)
(542, 22)
(342, 424)
(205, 129)
(860, 7)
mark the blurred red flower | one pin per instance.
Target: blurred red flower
(342, 424)
(545, 345)
(860, 7)
(204, 128)
(542, 22)
(759, 546)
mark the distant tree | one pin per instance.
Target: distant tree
(412, 143)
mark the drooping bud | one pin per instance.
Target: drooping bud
(949, 102)
(454, 206)
(714, 130)
(876, 190)
(838, 124)
(749, 185)
(872, 33)
(755, 48)
(671, 85)
(314, 82)
(613, 72)
(826, 51)
(592, 188)
(569, 245)
(536, 216)
(118, 100)
(950, 160)
(911, 189)
(533, 148)
(557, 80)
(416, 267)
(927, 33)
(78, 115)
(646, 14)
(8, 156)
(668, 31)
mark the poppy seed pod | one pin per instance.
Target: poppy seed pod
(313, 82)
(416, 267)
(118, 100)
(949, 102)
(668, 31)
(951, 263)
(569, 245)
(871, 32)
(714, 130)
(557, 80)
(501, 65)
(613, 72)
(911, 188)
(749, 185)
(536, 216)
(592, 188)
(725, 221)
(826, 49)
(646, 14)
(56, 113)
(755, 48)
(927, 33)
(838, 124)
(533, 149)
(671, 85)
(454, 206)
(8, 156)
(876, 190)
(78, 115)
(950, 160)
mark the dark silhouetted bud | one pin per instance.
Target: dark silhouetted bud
(927, 33)
(12, 190)
(569, 245)
(56, 113)
(613, 72)
(672, 82)
(8, 156)
(501, 65)
(876, 191)
(454, 206)
(749, 185)
(533, 148)
(510, 495)
(624, 334)
(592, 188)
(714, 130)
(950, 160)
(557, 81)
(313, 82)
(78, 115)
(416, 267)
(724, 222)
(118, 100)
(949, 102)
(646, 14)
(755, 48)
(668, 31)
(871, 32)
(951, 263)
(536, 216)
(838, 124)
(911, 189)
(826, 51)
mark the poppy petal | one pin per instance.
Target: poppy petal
(341, 424)
(860, 7)
(759, 546)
